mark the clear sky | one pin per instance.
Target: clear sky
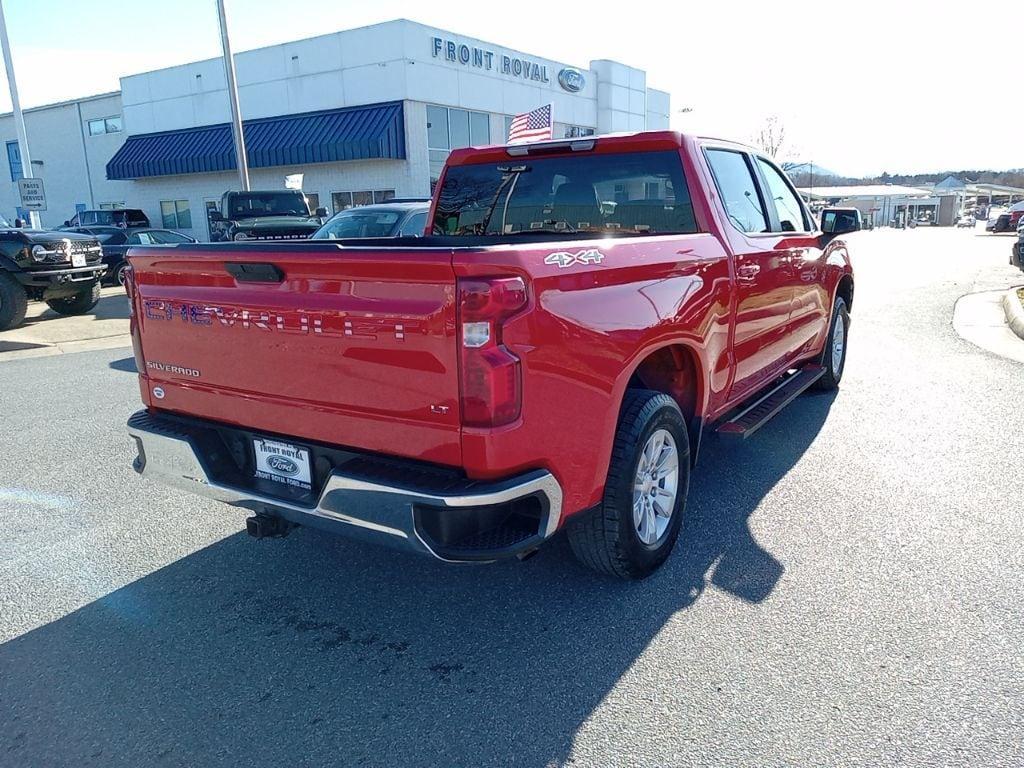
(860, 87)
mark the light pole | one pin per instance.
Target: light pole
(236, 113)
(19, 118)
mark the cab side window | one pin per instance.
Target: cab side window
(738, 190)
(787, 204)
(415, 224)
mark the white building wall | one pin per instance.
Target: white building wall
(395, 60)
(621, 97)
(98, 150)
(659, 110)
(392, 61)
(70, 162)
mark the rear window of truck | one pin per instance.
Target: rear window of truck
(626, 193)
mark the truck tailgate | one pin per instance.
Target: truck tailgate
(349, 346)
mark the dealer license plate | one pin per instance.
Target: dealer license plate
(78, 260)
(282, 463)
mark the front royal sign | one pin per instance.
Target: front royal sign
(481, 58)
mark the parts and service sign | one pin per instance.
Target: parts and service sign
(282, 463)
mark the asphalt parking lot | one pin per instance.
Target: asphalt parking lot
(847, 591)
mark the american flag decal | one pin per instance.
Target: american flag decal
(531, 126)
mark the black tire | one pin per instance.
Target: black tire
(834, 368)
(119, 274)
(605, 538)
(79, 303)
(13, 302)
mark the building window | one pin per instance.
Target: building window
(575, 131)
(14, 159)
(342, 200)
(112, 206)
(175, 214)
(558, 130)
(566, 131)
(105, 125)
(449, 129)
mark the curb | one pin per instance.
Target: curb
(1014, 312)
(68, 347)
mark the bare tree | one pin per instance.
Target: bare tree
(771, 139)
(772, 136)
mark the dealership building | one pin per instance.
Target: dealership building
(364, 114)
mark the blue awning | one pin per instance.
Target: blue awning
(352, 133)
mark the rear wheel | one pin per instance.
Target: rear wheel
(834, 356)
(121, 273)
(632, 532)
(78, 303)
(13, 302)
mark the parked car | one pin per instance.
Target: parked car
(281, 214)
(125, 218)
(1017, 251)
(61, 268)
(965, 220)
(1016, 215)
(116, 242)
(391, 219)
(998, 220)
(548, 359)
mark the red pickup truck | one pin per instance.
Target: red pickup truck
(547, 356)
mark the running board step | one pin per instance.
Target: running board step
(754, 416)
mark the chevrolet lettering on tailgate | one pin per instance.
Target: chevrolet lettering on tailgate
(284, 321)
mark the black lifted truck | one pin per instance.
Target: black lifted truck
(280, 214)
(61, 268)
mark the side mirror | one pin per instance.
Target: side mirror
(67, 223)
(321, 213)
(215, 216)
(839, 221)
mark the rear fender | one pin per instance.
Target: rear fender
(675, 367)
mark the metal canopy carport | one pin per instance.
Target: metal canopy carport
(352, 133)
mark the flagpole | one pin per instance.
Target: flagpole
(236, 113)
(19, 117)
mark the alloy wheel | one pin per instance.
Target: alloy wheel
(655, 487)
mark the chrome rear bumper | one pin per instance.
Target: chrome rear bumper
(358, 506)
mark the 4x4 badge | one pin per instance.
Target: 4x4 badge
(565, 259)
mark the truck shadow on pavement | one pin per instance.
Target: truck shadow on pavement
(315, 651)
(125, 365)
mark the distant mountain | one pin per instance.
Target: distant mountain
(794, 169)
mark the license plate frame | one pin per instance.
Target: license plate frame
(282, 462)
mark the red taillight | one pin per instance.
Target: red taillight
(133, 321)
(491, 379)
(129, 286)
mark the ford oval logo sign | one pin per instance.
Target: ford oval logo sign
(571, 80)
(283, 465)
